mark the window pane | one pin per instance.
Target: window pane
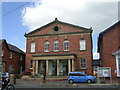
(31, 64)
(82, 44)
(66, 45)
(32, 47)
(56, 45)
(10, 54)
(46, 46)
(82, 63)
(119, 65)
(2, 53)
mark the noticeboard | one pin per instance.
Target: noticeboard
(104, 72)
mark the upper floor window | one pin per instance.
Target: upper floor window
(56, 46)
(83, 64)
(66, 45)
(21, 58)
(10, 54)
(46, 46)
(32, 48)
(82, 44)
(2, 53)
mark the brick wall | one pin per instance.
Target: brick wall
(110, 43)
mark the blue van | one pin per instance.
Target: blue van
(80, 77)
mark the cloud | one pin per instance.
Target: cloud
(99, 15)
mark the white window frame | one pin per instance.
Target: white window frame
(83, 64)
(21, 57)
(56, 46)
(11, 54)
(82, 44)
(2, 53)
(66, 46)
(118, 65)
(46, 46)
(31, 64)
(32, 47)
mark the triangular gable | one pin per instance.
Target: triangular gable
(58, 27)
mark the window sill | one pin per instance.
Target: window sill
(66, 50)
(56, 50)
(83, 68)
(32, 52)
(31, 68)
(46, 51)
(83, 50)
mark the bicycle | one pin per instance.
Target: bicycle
(6, 85)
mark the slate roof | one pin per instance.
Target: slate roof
(57, 21)
(15, 49)
(12, 47)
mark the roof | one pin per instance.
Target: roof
(12, 47)
(57, 21)
(104, 32)
(15, 49)
(2, 40)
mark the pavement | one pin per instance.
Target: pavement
(31, 83)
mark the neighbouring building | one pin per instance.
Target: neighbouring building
(109, 49)
(59, 48)
(11, 57)
(96, 63)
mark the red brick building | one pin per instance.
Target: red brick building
(59, 47)
(108, 44)
(11, 57)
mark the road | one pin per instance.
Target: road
(35, 84)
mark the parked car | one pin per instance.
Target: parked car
(6, 75)
(80, 77)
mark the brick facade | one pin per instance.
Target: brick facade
(17, 60)
(66, 31)
(109, 42)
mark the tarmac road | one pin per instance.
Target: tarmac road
(35, 84)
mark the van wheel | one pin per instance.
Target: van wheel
(71, 81)
(89, 81)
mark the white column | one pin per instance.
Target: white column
(69, 66)
(73, 65)
(58, 67)
(46, 67)
(36, 66)
(33, 67)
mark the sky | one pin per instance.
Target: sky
(20, 17)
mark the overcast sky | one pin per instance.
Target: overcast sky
(99, 15)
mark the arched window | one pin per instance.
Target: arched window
(56, 46)
(46, 46)
(32, 49)
(66, 45)
(82, 44)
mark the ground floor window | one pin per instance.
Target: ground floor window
(52, 67)
(83, 63)
(118, 67)
(31, 64)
